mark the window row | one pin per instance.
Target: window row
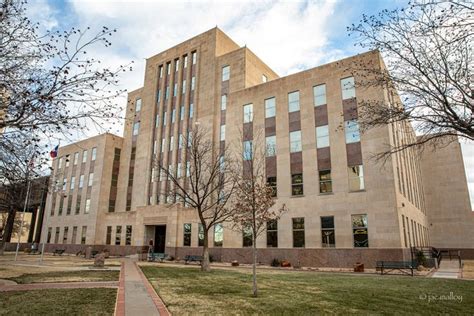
(67, 158)
(69, 207)
(80, 182)
(177, 63)
(118, 235)
(65, 236)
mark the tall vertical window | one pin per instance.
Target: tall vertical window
(325, 181)
(247, 237)
(78, 204)
(319, 94)
(73, 182)
(50, 230)
(183, 90)
(167, 92)
(138, 105)
(404, 231)
(158, 96)
(348, 88)
(270, 108)
(193, 83)
(108, 236)
(222, 136)
(81, 181)
(248, 154)
(118, 235)
(356, 178)
(191, 110)
(188, 169)
(128, 235)
(270, 146)
(223, 102)
(67, 160)
(171, 143)
(294, 101)
(91, 179)
(272, 183)
(163, 144)
(88, 206)
(161, 71)
(327, 231)
(65, 233)
(297, 184)
(84, 156)
(173, 115)
(298, 232)
(164, 118)
(56, 235)
(200, 235)
(64, 184)
(295, 141)
(168, 68)
(225, 73)
(272, 233)
(352, 131)
(176, 64)
(76, 158)
(74, 235)
(218, 235)
(187, 235)
(136, 128)
(322, 136)
(175, 89)
(94, 153)
(83, 235)
(194, 55)
(185, 63)
(60, 162)
(181, 113)
(360, 230)
(248, 113)
(178, 170)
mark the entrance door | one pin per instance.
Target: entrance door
(160, 238)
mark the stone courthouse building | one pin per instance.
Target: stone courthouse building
(343, 206)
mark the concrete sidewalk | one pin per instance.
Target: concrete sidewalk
(449, 269)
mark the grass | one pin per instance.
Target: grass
(189, 291)
(66, 276)
(58, 302)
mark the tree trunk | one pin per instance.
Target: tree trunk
(254, 267)
(205, 264)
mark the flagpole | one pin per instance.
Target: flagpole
(24, 210)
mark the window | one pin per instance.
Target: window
(404, 231)
(167, 92)
(118, 235)
(188, 169)
(218, 235)
(187, 235)
(56, 235)
(247, 237)
(69, 202)
(248, 113)
(248, 154)
(359, 230)
(64, 184)
(173, 115)
(200, 235)
(48, 240)
(164, 118)
(295, 141)
(185, 63)
(78, 204)
(181, 113)
(84, 156)
(76, 158)
(88, 206)
(222, 137)
(111, 206)
(91, 178)
(161, 71)
(272, 183)
(67, 161)
(319, 94)
(327, 232)
(81, 181)
(270, 109)
(94, 153)
(223, 102)
(272, 233)
(356, 178)
(191, 110)
(171, 143)
(270, 146)
(175, 89)
(193, 83)
(178, 170)
(128, 235)
(168, 68)
(136, 128)
(264, 78)
(65, 233)
(348, 88)
(61, 205)
(60, 162)
(183, 89)
(325, 181)
(298, 232)
(352, 131)
(194, 55)
(297, 184)
(322, 136)
(138, 105)
(158, 96)
(108, 236)
(83, 235)
(225, 73)
(294, 101)
(73, 182)
(180, 141)
(176, 64)
(74, 235)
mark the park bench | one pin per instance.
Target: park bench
(34, 252)
(58, 252)
(192, 258)
(386, 267)
(153, 256)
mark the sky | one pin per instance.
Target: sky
(289, 36)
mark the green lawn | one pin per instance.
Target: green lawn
(190, 291)
(58, 302)
(67, 276)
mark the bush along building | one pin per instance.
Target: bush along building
(343, 206)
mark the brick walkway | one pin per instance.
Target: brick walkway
(136, 295)
(69, 285)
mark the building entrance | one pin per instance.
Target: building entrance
(160, 238)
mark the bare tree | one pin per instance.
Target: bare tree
(206, 185)
(254, 198)
(428, 50)
(48, 82)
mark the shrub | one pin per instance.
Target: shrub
(275, 262)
